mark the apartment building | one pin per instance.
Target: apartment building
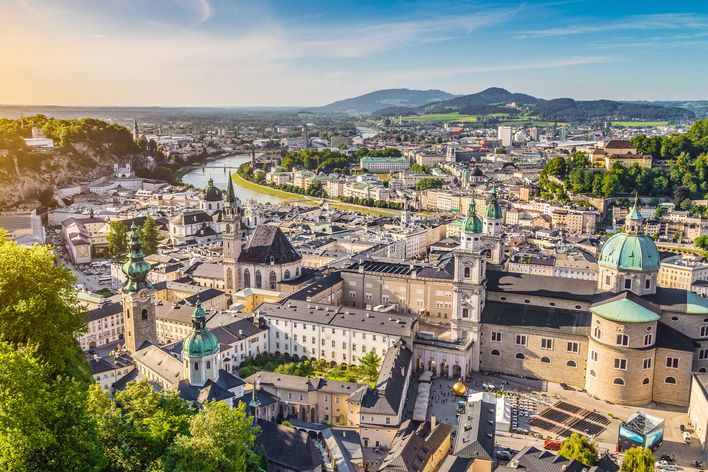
(682, 273)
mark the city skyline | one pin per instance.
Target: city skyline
(232, 53)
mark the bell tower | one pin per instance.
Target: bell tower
(231, 237)
(138, 297)
(493, 230)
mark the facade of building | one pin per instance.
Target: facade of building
(384, 164)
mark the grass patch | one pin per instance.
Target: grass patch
(266, 190)
(639, 124)
(453, 116)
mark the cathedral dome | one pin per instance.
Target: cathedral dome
(630, 252)
(212, 194)
(472, 224)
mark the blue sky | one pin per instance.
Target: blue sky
(246, 53)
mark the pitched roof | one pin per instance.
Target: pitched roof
(268, 245)
(542, 286)
(539, 317)
(626, 307)
(679, 301)
(288, 447)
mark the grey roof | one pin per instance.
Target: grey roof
(413, 446)
(288, 447)
(536, 460)
(385, 399)
(112, 307)
(208, 270)
(670, 338)
(268, 245)
(317, 286)
(210, 391)
(191, 217)
(339, 316)
(541, 317)
(475, 431)
(350, 443)
(542, 286)
(702, 380)
(304, 384)
(671, 299)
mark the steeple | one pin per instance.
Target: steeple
(231, 200)
(199, 349)
(136, 130)
(472, 224)
(136, 269)
(634, 222)
(493, 211)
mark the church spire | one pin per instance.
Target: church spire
(136, 269)
(230, 194)
(634, 220)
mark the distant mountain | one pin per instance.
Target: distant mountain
(499, 101)
(374, 101)
(699, 107)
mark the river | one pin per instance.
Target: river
(218, 170)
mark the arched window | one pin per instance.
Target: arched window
(297, 272)
(272, 280)
(520, 356)
(229, 279)
(648, 338)
(144, 314)
(645, 381)
(495, 352)
(259, 281)
(208, 364)
(598, 332)
(246, 278)
(618, 381)
(286, 275)
(196, 366)
(467, 271)
(545, 360)
(670, 380)
(127, 312)
(592, 373)
(622, 340)
(571, 364)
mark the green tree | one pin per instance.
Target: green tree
(701, 242)
(369, 366)
(424, 184)
(44, 423)
(611, 185)
(638, 459)
(117, 239)
(220, 438)
(38, 306)
(150, 236)
(579, 448)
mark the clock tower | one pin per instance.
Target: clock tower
(138, 298)
(231, 237)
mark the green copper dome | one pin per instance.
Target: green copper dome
(630, 252)
(472, 224)
(494, 211)
(201, 342)
(136, 269)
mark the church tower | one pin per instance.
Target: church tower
(136, 130)
(199, 350)
(493, 230)
(231, 237)
(138, 298)
(469, 284)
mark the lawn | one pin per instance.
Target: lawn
(266, 190)
(639, 124)
(453, 116)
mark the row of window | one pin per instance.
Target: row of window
(646, 381)
(521, 356)
(546, 343)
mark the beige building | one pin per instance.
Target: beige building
(682, 273)
(698, 408)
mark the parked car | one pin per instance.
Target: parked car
(504, 455)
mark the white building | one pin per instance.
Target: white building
(506, 135)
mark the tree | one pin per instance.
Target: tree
(369, 366)
(44, 423)
(701, 242)
(611, 185)
(220, 438)
(638, 459)
(150, 236)
(38, 306)
(579, 448)
(117, 239)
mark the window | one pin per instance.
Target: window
(545, 360)
(272, 280)
(388, 420)
(301, 397)
(467, 271)
(286, 275)
(465, 313)
(496, 336)
(622, 340)
(259, 281)
(628, 284)
(520, 356)
(144, 315)
(646, 364)
(703, 354)
(618, 381)
(670, 380)
(598, 332)
(246, 278)
(593, 356)
(196, 366)
(672, 362)
(573, 346)
(546, 343)
(571, 364)
(645, 381)
(592, 373)
(647, 283)
(521, 340)
(704, 331)
(648, 338)
(607, 279)
(621, 364)
(495, 352)
(208, 364)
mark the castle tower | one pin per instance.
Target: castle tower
(199, 350)
(137, 294)
(469, 284)
(493, 230)
(231, 237)
(629, 260)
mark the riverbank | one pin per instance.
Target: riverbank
(313, 200)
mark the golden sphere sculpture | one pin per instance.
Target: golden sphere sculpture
(459, 388)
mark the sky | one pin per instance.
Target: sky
(306, 53)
